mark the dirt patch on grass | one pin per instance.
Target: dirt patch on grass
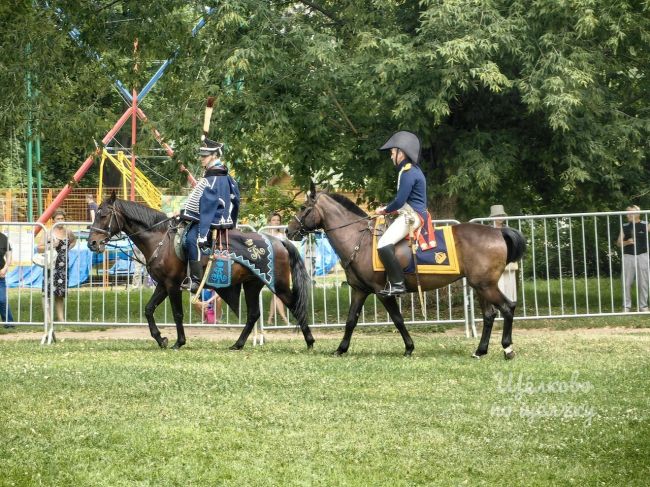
(216, 334)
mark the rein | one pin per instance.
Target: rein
(304, 231)
(369, 218)
(110, 234)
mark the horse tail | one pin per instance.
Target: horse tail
(516, 243)
(301, 282)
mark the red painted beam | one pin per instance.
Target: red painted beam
(168, 149)
(49, 211)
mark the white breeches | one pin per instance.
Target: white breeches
(401, 227)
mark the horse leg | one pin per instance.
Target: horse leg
(358, 298)
(252, 291)
(492, 298)
(489, 314)
(285, 295)
(158, 296)
(230, 296)
(508, 313)
(176, 298)
(390, 303)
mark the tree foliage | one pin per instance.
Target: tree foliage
(541, 106)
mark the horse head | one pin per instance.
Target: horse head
(106, 224)
(308, 218)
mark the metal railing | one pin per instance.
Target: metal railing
(573, 267)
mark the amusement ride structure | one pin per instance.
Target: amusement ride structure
(126, 165)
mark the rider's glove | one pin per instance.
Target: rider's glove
(203, 243)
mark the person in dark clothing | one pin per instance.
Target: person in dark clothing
(410, 202)
(212, 204)
(62, 240)
(5, 262)
(91, 208)
(634, 241)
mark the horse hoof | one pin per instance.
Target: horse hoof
(339, 353)
(476, 356)
(164, 342)
(408, 353)
(235, 347)
(508, 353)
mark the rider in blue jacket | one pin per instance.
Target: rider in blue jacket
(212, 204)
(410, 203)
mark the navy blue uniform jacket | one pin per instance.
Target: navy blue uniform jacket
(411, 189)
(214, 201)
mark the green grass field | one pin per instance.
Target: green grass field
(545, 298)
(571, 409)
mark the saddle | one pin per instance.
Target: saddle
(250, 249)
(438, 256)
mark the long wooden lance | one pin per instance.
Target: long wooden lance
(207, 116)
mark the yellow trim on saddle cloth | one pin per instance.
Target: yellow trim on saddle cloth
(451, 268)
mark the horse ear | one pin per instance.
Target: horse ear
(112, 197)
(312, 190)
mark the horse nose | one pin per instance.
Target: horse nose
(92, 244)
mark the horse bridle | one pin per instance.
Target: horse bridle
(108, 232)
(303, 231)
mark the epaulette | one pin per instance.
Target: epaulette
(407, 166)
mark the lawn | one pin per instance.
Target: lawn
(572, 408)
(329, 303)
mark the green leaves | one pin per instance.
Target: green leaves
(553, 93)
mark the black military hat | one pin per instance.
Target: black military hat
(210, 147)
(406, 141)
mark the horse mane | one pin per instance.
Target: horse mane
(148, 217)
(347, 203)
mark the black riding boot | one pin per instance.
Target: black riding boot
(196, 274)
(394, 272)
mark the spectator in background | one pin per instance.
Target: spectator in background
(209, 306)
(276, 304)
(5, 262)
(508, 280)
(62, 240)
(139, 270)
(91, 208)
(634, 241)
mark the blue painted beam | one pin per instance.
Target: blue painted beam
(75, 35)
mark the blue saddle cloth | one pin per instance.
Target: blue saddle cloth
(252, 250)
(437, 256)
(220, 272)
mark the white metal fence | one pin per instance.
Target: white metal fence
(572, 268)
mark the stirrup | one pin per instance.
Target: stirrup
(393, 289)
(187, 285)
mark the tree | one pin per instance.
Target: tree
(537, 106)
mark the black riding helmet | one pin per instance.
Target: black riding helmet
(407, 142)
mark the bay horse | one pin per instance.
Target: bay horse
(151, 232)
(482, 251)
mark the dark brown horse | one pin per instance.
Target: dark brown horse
(151, 232)
(483, 253)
